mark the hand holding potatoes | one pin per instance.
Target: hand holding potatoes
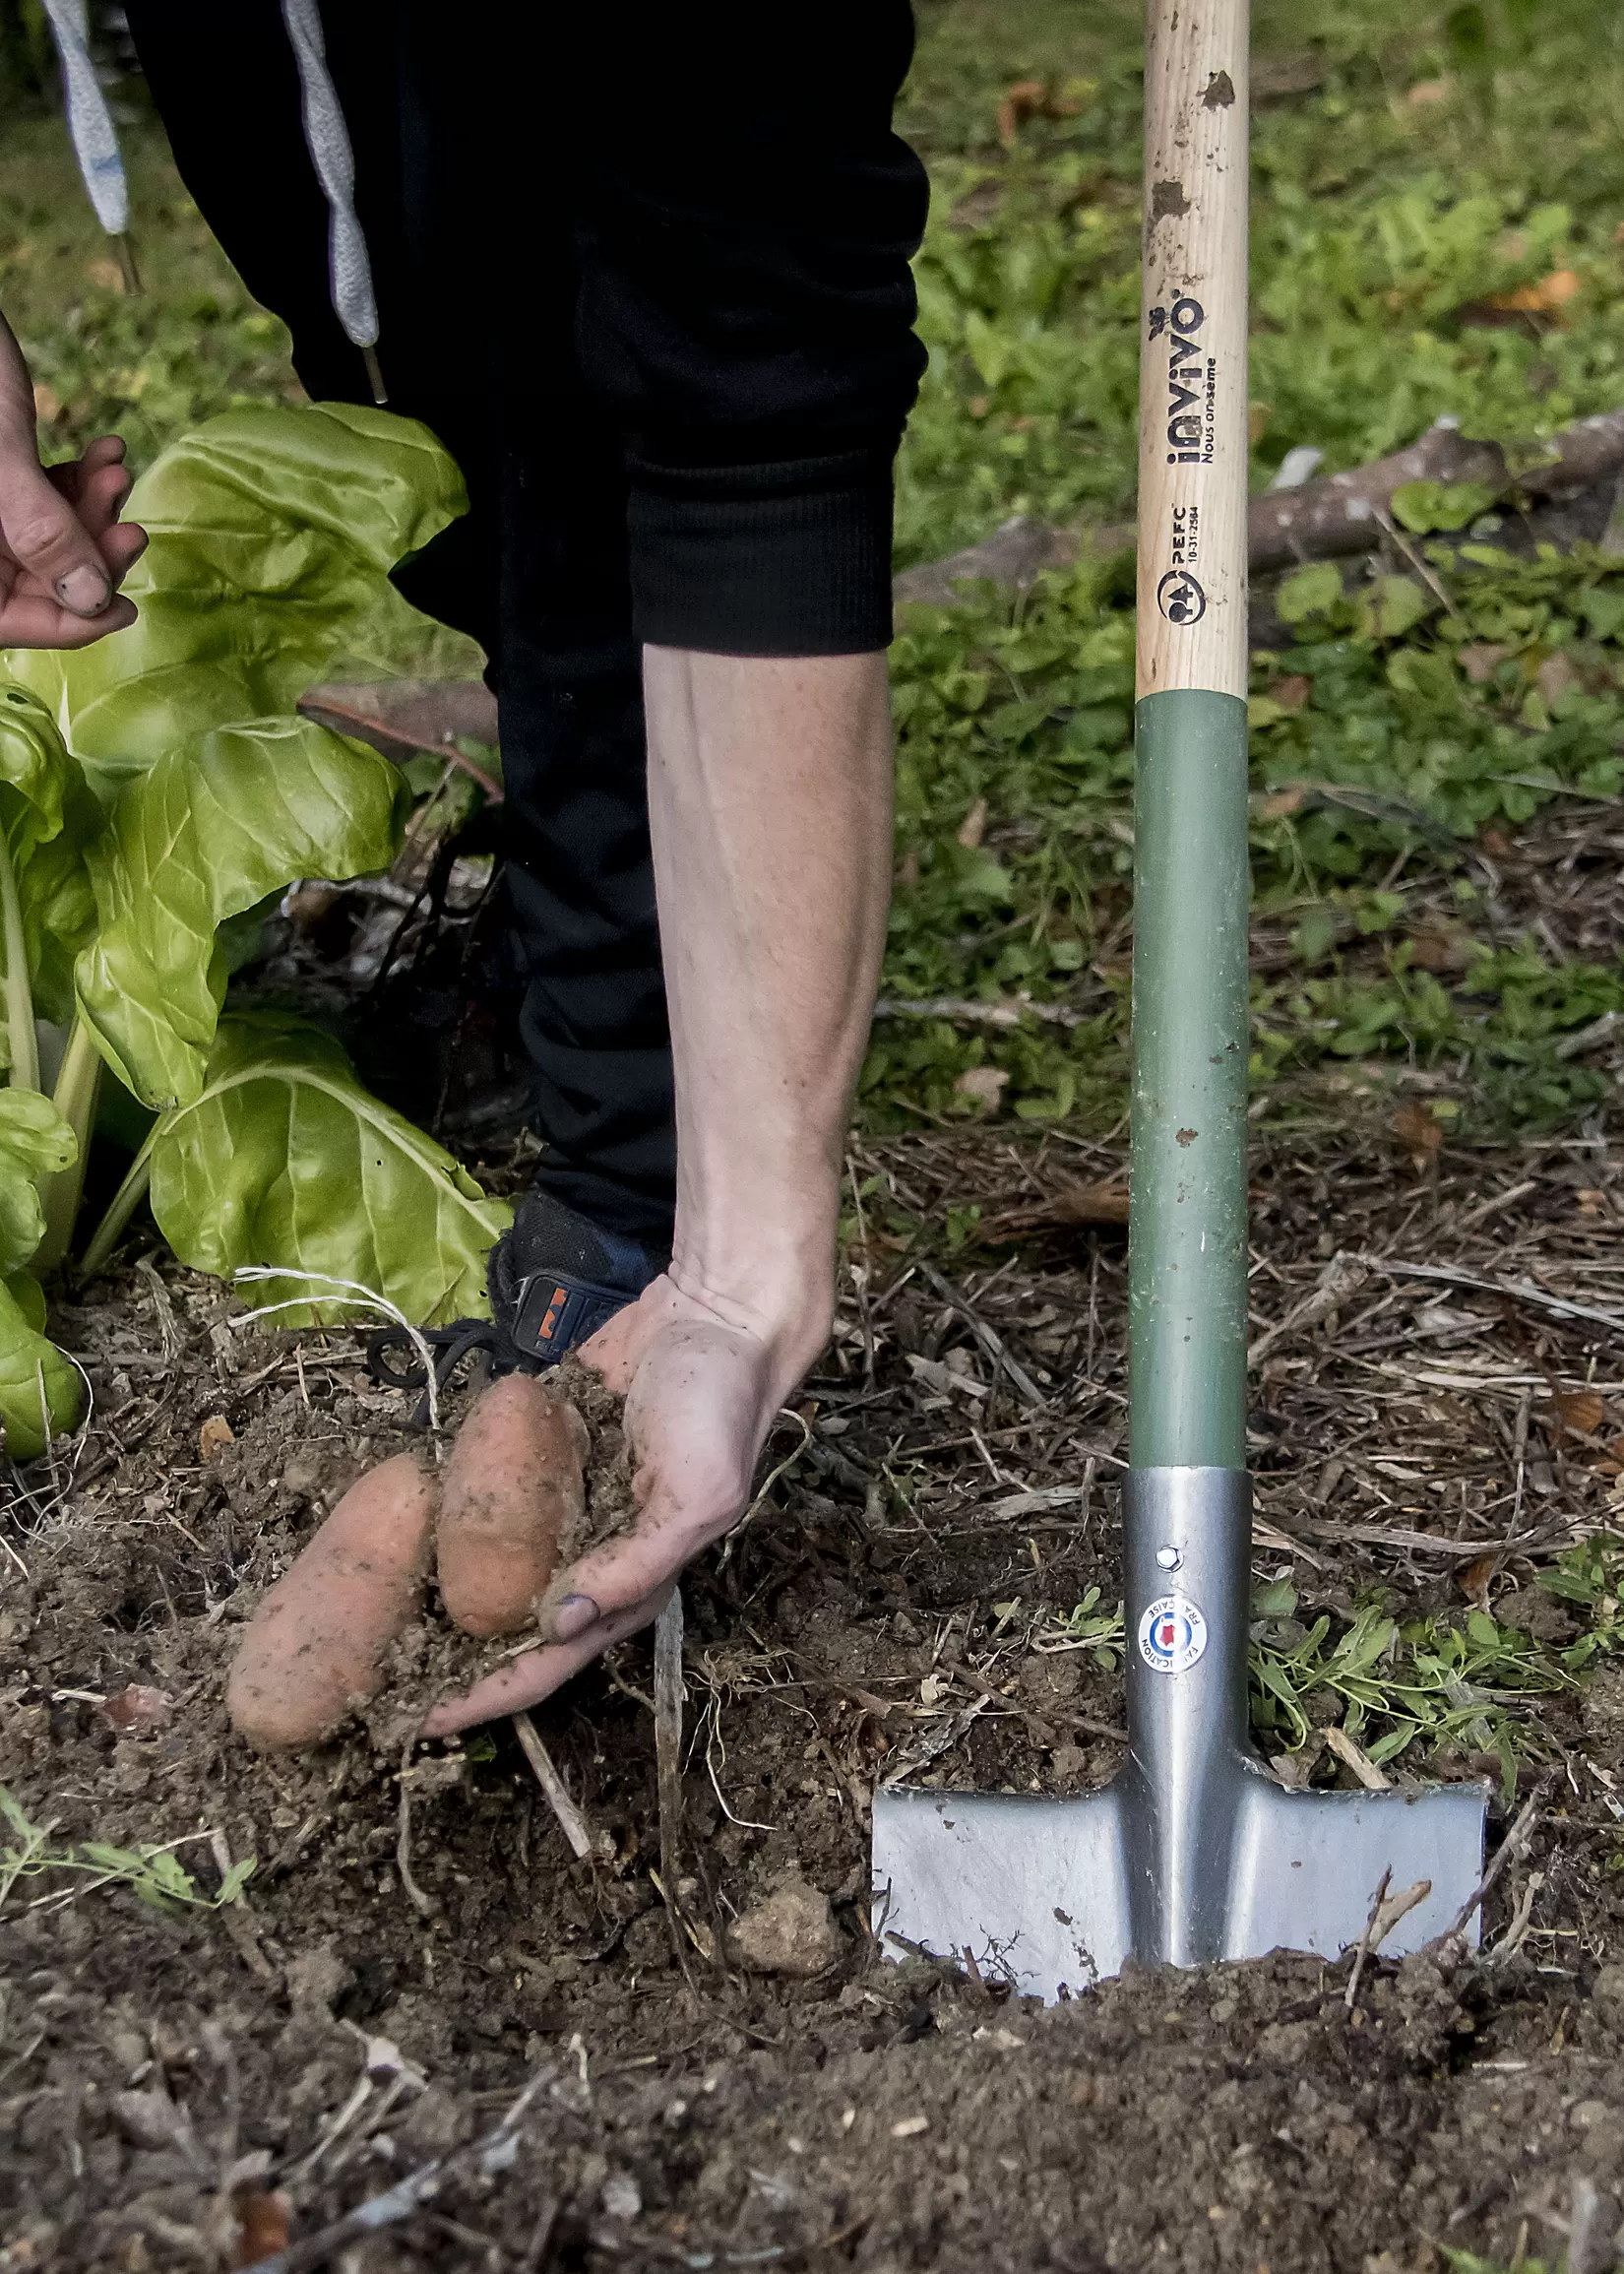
(491, 1525)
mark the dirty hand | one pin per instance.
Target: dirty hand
(63, 550)
(701, 1394)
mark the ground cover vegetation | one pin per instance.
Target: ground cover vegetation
(1438, 740)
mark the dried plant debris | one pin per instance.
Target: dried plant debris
(930, 1590)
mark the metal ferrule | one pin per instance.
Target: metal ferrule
(1187, 1536)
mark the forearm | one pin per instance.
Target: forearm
(771, 813)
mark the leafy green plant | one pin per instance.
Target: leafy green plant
(160, 785)
(1091, 1627)
(1436, 1681)
(151, 1871)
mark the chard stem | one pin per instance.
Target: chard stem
(25, 1042)
(74, 1097)
(124, 1203)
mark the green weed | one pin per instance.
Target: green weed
(151, 1871)
(1464, 1682)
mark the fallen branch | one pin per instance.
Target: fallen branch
(1341, 514)
(961, 1011)
(1335, 516)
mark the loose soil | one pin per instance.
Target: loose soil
(185, 2088)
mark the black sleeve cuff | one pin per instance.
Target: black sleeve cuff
(786, 559)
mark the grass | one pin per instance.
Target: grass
(1411, 165)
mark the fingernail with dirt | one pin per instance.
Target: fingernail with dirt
(84, 590)
(573, 1617)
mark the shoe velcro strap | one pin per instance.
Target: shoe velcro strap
(552, 1314)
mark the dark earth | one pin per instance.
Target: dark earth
(743, 2077)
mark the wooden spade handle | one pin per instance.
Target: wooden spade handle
(1193, 439)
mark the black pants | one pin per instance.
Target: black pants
(645, 270)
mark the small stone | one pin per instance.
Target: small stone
(622, 2197)
(985, 1086)
(151, 2119)
(1608, 1992)
(214, 1437)
(793, 1933)
(1587, 2115)
(434, 2124)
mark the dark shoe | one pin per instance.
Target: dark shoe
(554, 1279)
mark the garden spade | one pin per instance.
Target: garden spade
(1194, 1852)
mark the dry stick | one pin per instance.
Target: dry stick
(669, 1695)
(961, 1011)
(1384, 1914)
(988, 1338)
(236, 1918)
(572, 1823)
(1492, 1206)
(1342, 1277)
(425, 1906)
(400, 2201)
(1518, 1290)
(1363, 1951)
(1510, 1847)
(1060, 1717)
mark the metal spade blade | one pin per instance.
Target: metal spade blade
(1194, 1852)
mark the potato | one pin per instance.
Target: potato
(510, 1492)
(314, 1648)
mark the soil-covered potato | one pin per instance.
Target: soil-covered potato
(314, 1648)
(513, 1489)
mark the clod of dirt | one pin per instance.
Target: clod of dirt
(793, 1932)
(317, 1978)
(511, 1490)
(314, 1648)
(1602, 1709)
(612, 1505)
(151, 2119)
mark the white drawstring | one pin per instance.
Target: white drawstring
(90, 121)
(327, 139)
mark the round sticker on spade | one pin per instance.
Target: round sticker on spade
(1172, 1634)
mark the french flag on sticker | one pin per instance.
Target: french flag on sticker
(1172, 1634)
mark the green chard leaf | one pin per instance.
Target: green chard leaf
(273, 529)
(34, 1143)
(284, 1158)
(40, 1389)
(46, 819)
(202, 835)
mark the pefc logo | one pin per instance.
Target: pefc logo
(1180, 597)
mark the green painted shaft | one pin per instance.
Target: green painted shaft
(1187, 1235)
